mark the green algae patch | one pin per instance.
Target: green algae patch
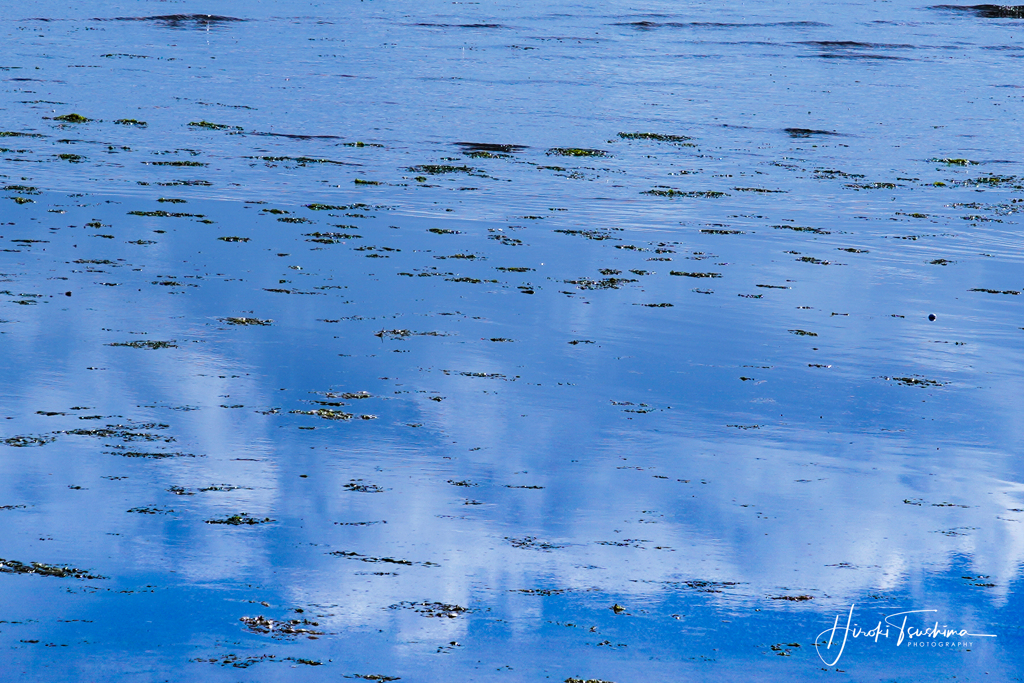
(800, 228)
(872, 186)
(23, 200)
(186, 183)
(213, 126)
(16, 134)
(683, 273)
(152, 455)
(242, 519)
(28, 441)
(576, 152)
(606, 283)
(658, 137)
(803, 333)
(174, 163)
(160, 213)
(591, 234)
(696, 194)
(914, 381)
(245, 321)
(303, 161)
(290, 627)
(350, 555)
(331, 237)
(439, 169)
(131, 122)
(955, 162)
(152, 345)
(993, 181)
(325, 413)
(356, 486)
(72, 118)
(41, 569)
(486, 155)
(994, 291)
(245, 662)
(150, 511)
(807, 132)
(233, 238)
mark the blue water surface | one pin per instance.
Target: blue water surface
(510, 341)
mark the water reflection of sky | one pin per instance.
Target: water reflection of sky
(545, 436)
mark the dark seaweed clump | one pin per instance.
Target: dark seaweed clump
(987, 11)
(197, 21)
(606, 283)
(438, 169)
(683, 273)
(654, 136)
(476, 147)
(72, 118)
(212, 126)
(807, 132)
(245, 321)
(15, 567)
(576, 152)
(671, 192)
(27, 441)
(239, 520)
(914, 381)
(994, 291)
(153, 345)
(261, 624)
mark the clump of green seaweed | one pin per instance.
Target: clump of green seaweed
(245, 321)
(683, 273)
(213, 126)
(28, 441)
(147, 344)
(241, 519)
(696, 194)
(576, 152)
(659, 137)
(72, 118)
(41, 569)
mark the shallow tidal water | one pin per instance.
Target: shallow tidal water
(511, 342)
